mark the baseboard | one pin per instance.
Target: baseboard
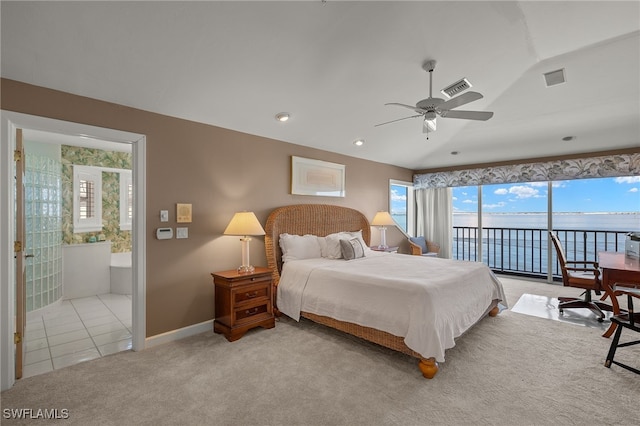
(180, 333)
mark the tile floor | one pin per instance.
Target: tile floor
(77, 330)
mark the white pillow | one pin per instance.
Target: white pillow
(298, 247)
(330, 245)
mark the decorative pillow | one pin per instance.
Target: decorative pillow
(330, 245)
(298, 247)
(352, 249)
(420, 241)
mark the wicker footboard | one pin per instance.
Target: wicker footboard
(373, 335)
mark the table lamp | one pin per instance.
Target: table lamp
(382, 220)
(244, 224)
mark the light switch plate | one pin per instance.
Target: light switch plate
(164, 215)
(182, 232)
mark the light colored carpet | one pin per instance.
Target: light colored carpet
(509, 370)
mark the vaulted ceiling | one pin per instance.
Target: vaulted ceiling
(333, 65)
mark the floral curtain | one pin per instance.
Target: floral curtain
(605, 166)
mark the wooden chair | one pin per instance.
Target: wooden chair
(419, 246)
(580, 274)
(626, 319)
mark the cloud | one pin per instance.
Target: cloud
(494, 206)
(397, 197)
(627, 179)
(467, 201)
(633, 190)
(522, 191)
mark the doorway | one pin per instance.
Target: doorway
(12, 121)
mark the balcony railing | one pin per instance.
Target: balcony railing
(524, 251)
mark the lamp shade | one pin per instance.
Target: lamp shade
(244, 223)
(382, 219)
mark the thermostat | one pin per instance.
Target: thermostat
(164, 233)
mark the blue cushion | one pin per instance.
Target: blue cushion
(420, 241)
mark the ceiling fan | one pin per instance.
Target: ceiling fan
(432, 107)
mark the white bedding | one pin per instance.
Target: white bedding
(428, 301)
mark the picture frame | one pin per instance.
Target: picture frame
(183, 213)
(317, 177)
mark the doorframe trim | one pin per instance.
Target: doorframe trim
(8, 123)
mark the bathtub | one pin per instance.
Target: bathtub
(121, 275)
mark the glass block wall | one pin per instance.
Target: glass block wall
(43, 216)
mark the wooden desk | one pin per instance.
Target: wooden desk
(617, 269)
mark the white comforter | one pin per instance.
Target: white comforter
(428, 301)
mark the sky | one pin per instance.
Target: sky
(620, 194)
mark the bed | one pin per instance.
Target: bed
(412, 304)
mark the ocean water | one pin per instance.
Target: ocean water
(623, 222)
(525, 250)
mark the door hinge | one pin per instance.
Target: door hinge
(17, 246)
(17, 155)
(17, 337)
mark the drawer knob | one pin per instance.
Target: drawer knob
(251, 295)
(251, 311)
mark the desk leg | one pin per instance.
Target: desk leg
(614, 302)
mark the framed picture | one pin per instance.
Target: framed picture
(315, 177)
(183, 213)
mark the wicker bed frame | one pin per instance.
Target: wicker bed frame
(322, 220)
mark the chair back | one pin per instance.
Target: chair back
(561, 256)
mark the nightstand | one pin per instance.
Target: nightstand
(388, 249)
(242, 301)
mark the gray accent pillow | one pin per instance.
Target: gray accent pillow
(352, 249)
(421, 242)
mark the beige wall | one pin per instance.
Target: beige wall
(220, 172)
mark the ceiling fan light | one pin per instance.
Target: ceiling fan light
(430, 124)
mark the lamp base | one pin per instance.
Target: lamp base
(381, 247)
(246, 269)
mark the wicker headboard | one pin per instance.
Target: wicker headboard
(316, 219)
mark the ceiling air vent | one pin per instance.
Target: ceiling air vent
(553, 78)
(455, 88)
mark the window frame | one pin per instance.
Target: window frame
(410, 204)
(94, 174)
(126, 204)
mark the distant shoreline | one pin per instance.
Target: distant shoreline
(545, 213)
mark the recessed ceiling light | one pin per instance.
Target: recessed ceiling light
(282, 116)
(568, 138)
(358, 142)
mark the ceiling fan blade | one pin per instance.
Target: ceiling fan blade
(416, 109)
(465, 98)
(399, 119)
(468, 115)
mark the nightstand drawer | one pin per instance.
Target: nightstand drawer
(251, 280)
(247, 314)
(251, 292)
